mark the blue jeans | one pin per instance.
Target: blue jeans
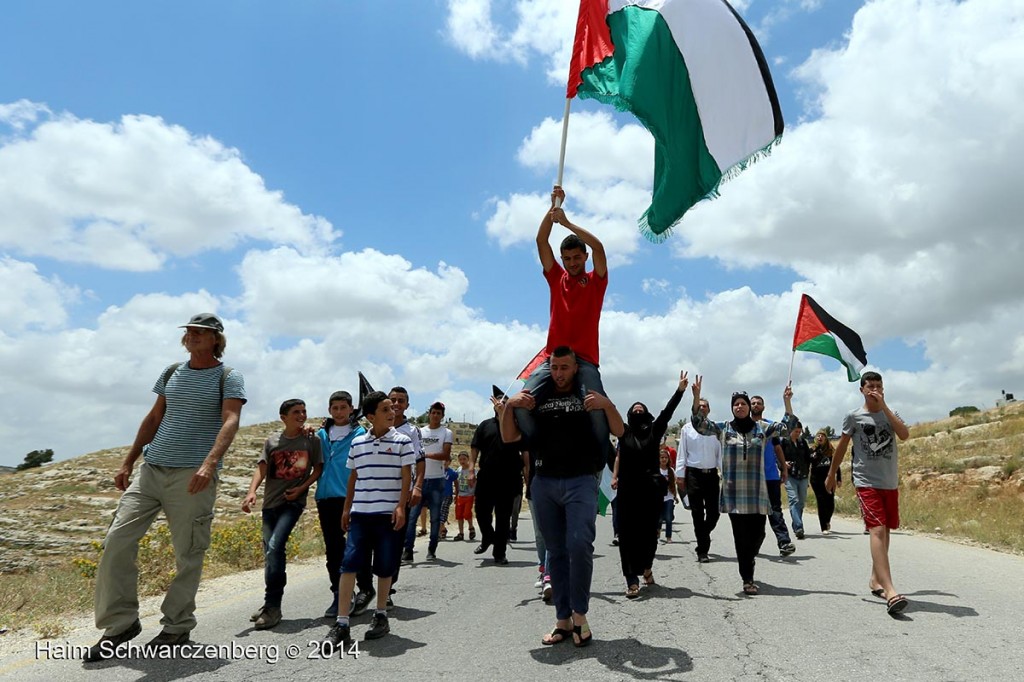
(588, 378)
(668, 515)
(433, 496)
(277, 526)
(542, 549)
(796, 491)
(371, 542)
(567, 515)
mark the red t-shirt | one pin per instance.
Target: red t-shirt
(575, 311)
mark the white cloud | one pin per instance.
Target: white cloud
(31, 300)
(130, 194)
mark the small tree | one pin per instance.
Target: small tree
(36, 458)
(963, 410)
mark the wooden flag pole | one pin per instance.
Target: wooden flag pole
(791, 359)
(561, 153)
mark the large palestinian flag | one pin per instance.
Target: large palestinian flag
(693, 74)
(818, 332)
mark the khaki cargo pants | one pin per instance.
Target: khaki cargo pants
(189, 517)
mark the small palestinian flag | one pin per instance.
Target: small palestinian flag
(818, 332)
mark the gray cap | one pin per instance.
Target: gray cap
(205, 321)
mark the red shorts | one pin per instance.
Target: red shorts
(464, 508)
(879, 507)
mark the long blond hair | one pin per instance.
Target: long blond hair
(218, 348)
(827, 450)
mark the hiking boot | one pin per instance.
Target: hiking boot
(407, 556)
(332, 610)
(339, 637)
(168, 639)
(106, 648)
(270, 617)
(362, 601)
(787, 549)
(378, 626)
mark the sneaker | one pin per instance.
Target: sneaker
(703, 559)
(482, 547)
(799, 535)
(339, 637)
(431, 556)
(547, 593)
(615, 541)
(459, 537)
(107, 646)
(270, 617)
(539, 584)
(787, 549)
(362, 602)
(256, 616)
(332, 610)
(826, 532)
(500, 561)
(407, 556)
(379, 626)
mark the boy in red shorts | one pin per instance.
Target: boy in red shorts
(466, 492)
(873, 428)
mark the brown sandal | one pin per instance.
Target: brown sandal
(648, 578)
(632, 592)
(750, 588)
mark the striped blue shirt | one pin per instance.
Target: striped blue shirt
(192, 419)
(378, 465)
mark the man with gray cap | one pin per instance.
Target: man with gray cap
(181, 440)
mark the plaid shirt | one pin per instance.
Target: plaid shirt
(743, 486)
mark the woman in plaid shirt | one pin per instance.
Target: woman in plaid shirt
(744, 494)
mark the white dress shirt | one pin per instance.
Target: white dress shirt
(695, 450)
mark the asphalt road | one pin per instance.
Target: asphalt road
(464, 618)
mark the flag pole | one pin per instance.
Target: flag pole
(791, 359)
(561, 153)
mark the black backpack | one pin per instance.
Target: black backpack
(169, 372)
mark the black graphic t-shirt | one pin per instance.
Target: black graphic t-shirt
(564, 441)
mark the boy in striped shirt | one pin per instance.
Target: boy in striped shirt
(381, 464)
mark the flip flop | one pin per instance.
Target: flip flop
(561, 633)
(895, 604)
(632, 592)
(878, 592)
(648, 577)
(578, 640)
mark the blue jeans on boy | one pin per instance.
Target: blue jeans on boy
(567, 515)
(588, 378)
(796, 491)
(277, 526)
(433, 496)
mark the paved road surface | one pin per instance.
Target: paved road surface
(467, 619)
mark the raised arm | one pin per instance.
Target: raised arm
(661, 423)
(701, 424)
(547, 256)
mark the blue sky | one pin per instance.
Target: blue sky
(357, 185)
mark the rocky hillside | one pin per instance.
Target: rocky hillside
(57, 511)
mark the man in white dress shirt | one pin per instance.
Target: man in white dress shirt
(698, 462)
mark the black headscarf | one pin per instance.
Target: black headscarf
(745, 425)
(640, 423)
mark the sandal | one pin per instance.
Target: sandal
(459, 538)
(472, 533)
(561, 633)
(578, 640)
(648, 577)
(632, 592)
(895, 604)
(877, 591)
(750, 588)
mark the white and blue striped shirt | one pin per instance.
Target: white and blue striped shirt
(192, 419)
(378, 465)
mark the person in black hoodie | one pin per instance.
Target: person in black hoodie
(640, 488)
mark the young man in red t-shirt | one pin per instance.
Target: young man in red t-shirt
(577, 297)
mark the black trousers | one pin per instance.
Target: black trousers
(703, 489)
(776, 520)
(494, 496)
(748, 533)
(329, 511)
(826, 500)
(640, 507)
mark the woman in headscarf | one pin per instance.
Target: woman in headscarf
(821, 461)
(744, 494)
(641, 488)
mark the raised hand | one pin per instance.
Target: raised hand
(697, 380)
(684, 381)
